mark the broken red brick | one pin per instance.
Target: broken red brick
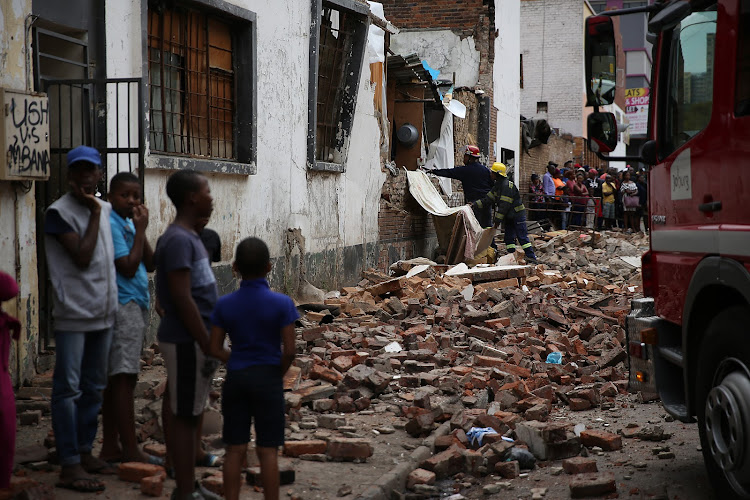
(604, 440)
(508, 470)
(214, 483)
(310, 447)
(419, 476)
(349, 448)
(589, 485)
(152, 486)
(446, 463)
(578, 404)
(135, 471)
(327, 374)
(579, 465)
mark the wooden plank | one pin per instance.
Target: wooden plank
(592, 312)
(457, 244)
(389, 286)
(495, 273)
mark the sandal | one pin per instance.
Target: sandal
(98, 466)
(82, 485)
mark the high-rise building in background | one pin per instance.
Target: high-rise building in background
(638, 61)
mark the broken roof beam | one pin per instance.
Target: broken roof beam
(383, 24)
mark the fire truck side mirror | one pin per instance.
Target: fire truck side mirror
(602, 128)
(648, 153)
(601, 61)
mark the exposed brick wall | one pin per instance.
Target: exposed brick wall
(406, 230)
(401, 221)
(557, 149)
(434, 13)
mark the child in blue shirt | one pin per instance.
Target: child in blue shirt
(259, 322)
(133, 257)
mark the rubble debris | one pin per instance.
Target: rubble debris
(458, 346)
(592, 484)
(482, 336)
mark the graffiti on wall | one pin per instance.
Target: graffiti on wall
(26, 135)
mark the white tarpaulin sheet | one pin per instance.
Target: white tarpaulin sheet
(422, 189)
(441, 153)
(376, 36)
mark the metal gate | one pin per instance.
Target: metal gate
(103, 113)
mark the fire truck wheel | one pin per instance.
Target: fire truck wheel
(723, 402)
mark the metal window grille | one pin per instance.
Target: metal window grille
(336, 36)
(192, 91)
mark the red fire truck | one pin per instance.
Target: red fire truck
(689, 337)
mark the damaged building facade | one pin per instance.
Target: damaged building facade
(457, 43)
(273, 102)
(288, 109)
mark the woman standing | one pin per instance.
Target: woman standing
(580, 200)
(537, 198)
(630, 202)
(642, 212)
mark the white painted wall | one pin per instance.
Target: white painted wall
(506, 75)
(637, 63)
(552, 46)
(443, 50)
(332, 210)
(18, 252)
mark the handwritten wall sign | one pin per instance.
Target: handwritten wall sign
(25, 135)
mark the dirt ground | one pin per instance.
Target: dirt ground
(638, 472)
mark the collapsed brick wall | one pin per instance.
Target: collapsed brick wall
(404, 226)
(402, 222)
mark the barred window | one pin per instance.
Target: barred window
(192, 84)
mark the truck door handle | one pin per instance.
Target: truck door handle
(713, 206)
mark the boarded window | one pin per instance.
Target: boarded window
(335, 48)
(191, 72)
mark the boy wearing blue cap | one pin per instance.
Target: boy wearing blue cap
(80, 259)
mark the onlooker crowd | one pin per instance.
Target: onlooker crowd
(98, 257)
(580, 196)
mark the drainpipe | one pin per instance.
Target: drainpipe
(17, 235)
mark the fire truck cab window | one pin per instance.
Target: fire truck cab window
(689, 94)
(742, 107)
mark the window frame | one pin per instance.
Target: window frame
(244, 61)
(742, 106)
(665, 140)
(353, 72)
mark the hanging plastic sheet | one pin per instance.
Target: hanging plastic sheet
(441, 153)
(376, 36)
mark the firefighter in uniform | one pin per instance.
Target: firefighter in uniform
(509, 209)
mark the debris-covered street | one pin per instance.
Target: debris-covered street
(449, 383)
(374, 249)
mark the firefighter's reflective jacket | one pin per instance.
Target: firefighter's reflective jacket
(505, 197)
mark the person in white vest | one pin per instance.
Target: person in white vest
(80, 259)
